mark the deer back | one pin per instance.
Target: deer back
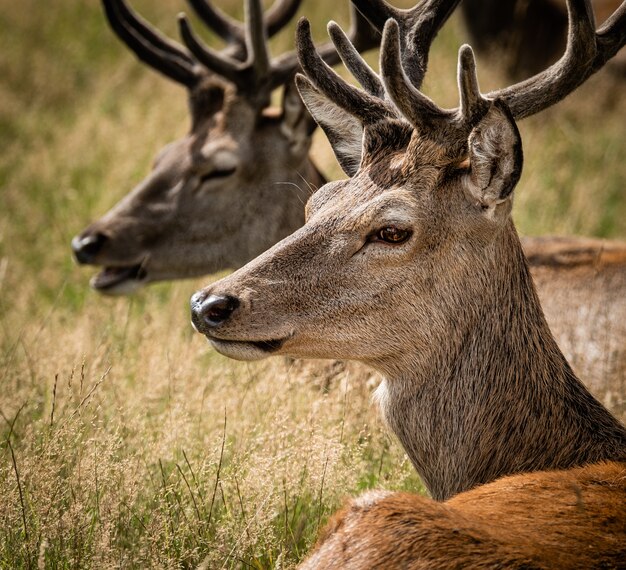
(552, 519)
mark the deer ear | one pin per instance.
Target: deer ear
(297, 124)
(344, 132)
(495, 158)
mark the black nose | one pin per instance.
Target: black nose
(209, 312)
(86, 248)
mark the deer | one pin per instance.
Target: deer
(177, 223)
(413, 266)
(241, 155)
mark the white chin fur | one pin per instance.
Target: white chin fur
(126, 287)
(238, 350)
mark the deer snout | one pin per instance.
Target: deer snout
(210, 311)
(87, 247)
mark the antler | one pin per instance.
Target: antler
(418, 27)
(244, 61)
(367, 107)
(172, 59)
(149, 45)
(586, 52)
(229, 29)
(421, 111)
(258, 75)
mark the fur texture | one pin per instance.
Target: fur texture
(574, 524)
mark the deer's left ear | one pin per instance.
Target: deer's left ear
(344, 132)
(297, 124)
(495, 158)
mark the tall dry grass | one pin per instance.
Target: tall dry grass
(125, 441)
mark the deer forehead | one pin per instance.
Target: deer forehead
(380, 185)
(362, 207)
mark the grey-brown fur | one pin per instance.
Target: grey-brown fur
(177, 224)
(242, 165)
(475, 386)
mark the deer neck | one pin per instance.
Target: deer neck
(494, 395)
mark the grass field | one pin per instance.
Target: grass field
(125, 440)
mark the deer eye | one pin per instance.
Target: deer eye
(392, 234)
(214, 174)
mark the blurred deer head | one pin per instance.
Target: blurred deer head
(237, 182)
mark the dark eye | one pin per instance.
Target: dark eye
(392, 234)
(214, 174)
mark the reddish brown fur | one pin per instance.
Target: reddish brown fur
(551, 519)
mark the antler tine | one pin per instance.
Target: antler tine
(253, 76)
(149, 45)
(215, 61)
(232, 31)
(586, 52)
(362, 36)
(611, 37)
(351, 58)
(365, 107)
(473, 105)
(256, 39)
(418, 109)
(277, 17)
(223, 25)
(418, 25)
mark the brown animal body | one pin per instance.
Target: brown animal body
(573, 524)
(413, 266)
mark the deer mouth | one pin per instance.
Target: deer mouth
(119, 280)
(248, 349)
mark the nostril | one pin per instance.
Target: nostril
(216, 309)
(87, 247)
(196, 299)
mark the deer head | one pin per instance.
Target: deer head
(414, 267)
(429, 191)
(235, 184)
(425, 183)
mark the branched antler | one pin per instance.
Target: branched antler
(245, 61)
(418, 28)
(368, 108)
(586, 52)
(149, 45)
(230, 30)
(258, 75)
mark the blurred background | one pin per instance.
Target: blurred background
(125, 440)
